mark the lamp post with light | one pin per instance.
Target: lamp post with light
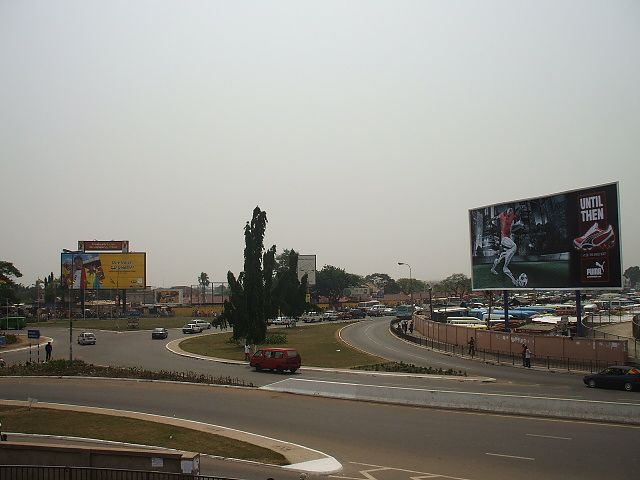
(410, 281)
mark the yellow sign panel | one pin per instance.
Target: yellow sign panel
(104, 270)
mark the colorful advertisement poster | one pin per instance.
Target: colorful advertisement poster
(104, 270)
(169, 296)
(566, 241)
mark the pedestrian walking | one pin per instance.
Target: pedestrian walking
(524, 352)
(247, 351)
(411, 327)
(472, 346)
(527, 357)
(48, 349)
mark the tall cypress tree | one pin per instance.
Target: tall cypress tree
(247, 307)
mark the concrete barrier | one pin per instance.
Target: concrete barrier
(27, 453)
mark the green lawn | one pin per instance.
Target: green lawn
(540, 274)
(106, 427)
(318, 346)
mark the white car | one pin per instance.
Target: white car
(201, 323)
(192, 328)
(86, 338)
(288, 321)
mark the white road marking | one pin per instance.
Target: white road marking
(548, 436)
(366, 473)
(509, 456)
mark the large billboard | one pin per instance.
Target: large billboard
(104, 270)
(566, 241)
(172, 295)
(307, 266)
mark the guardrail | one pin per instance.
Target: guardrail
(27, 472)
(569, 364)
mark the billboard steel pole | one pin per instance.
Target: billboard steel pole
(580, 327)
(506, 310)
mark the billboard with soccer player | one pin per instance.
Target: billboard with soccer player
(566, 241)
(104, 270)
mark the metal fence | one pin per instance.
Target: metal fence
(569, 364)
(25, 472)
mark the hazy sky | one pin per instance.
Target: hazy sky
(365, 129)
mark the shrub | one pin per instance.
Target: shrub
(402, 367)
(275, 339)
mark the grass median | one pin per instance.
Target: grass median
(122, 429)
(319, 346)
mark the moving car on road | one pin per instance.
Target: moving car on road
(86, 338)
(616, 376)
(160, 333)
(204, 324)
(279, 359)
(192, 328)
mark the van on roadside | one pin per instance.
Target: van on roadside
(278, 359)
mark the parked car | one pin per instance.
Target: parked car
(160, 333)
(357, 313)
(286, 321)
(86, 338)
(330, 315)
(204, 324)
(615, 376)
(279, 359)
(312, 317)
(192, 328)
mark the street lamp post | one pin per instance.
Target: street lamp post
(410, 280)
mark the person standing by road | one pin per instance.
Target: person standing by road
(527, 357)
(523, 353)
(247, 351)
(48, 349)
(472, 347)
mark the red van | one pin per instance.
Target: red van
(279, 359)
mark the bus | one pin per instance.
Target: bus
(469, 322)
(367, 305)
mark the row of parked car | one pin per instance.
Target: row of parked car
(329, 315)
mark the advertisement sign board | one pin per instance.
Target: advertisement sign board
(565, 241)
(307, 265)
(103, 245)
(33, 334)
(168, 296)
(104, 270)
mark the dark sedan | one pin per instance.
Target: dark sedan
(160, 333)
(616, 376)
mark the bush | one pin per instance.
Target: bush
(11, 338)
(275, 339)
(80, 368)
(409, 368)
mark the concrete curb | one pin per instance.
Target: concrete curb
(301, 458)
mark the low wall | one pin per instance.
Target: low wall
(577, 348)
(27, 453)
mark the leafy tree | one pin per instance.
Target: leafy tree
(633, 274)
(289, 294)
(246, 309)
(410, 285)
(383, 281)
(331, 282)
(8, 272)
(456, 285)
(282, 260)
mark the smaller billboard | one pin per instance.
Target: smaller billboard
(103, 270)
(103, 245)
(307, 266)
(171, 295)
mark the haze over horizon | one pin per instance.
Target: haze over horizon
(365, 129)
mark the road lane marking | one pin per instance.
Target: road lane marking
(415, 475)
(509, 456)
(548, 436)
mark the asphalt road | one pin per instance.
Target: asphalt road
(387, 441)
(398, 442)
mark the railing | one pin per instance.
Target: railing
(25, 472)
(569, 364)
